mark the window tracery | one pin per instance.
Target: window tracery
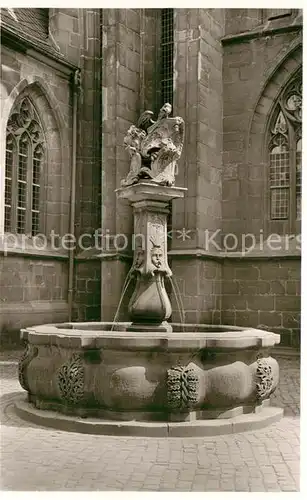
(25, 151)
(285, 154)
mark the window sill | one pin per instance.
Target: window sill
(28, 247)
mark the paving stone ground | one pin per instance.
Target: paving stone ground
(43, 459)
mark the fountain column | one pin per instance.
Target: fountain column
(149, 306)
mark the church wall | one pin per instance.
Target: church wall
(34, 289)
(86, 296)
(124, 98)
(229, 67)
(35, 295)
(198, 99)
(265, 292)
(247, 66)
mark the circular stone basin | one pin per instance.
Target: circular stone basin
(98, 370)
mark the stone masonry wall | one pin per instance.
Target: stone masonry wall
(242, 20)
(33, 291)
(121, 107)
(87, 284)
(150, 68)
(198, 99)
(199, 282)
(263, 294)
(88, 184)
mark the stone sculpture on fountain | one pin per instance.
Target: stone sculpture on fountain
(154, 148)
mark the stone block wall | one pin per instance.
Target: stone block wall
(87, 281)
(127, 59)
(66, 28)
(242, 20)
(263, 294)
(33, 291)
(86, 306)
(198, 99)
(150, 37)
(121, 107)
(199, 283)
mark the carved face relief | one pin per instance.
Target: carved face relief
(157, 257)
(139, 258)
(165, 111)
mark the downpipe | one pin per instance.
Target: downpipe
(71, 251)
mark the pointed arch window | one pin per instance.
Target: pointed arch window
(285, 155)
(25, 153)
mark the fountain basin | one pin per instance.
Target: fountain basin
(204, 373)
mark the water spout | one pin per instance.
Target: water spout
(175, 289)
(124, 290)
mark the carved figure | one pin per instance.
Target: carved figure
(139, 257)
(132, 143)
(157, 256)
(154, 147)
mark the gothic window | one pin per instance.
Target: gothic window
(25, 152)
(285, 155)
(167, 69)
(298, 178)
(167, 55)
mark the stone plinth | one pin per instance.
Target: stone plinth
(150, 307)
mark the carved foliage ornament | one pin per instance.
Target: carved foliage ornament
(288, 111)
(182, 387)
(264, 377)
(30, 353)
(70, 380)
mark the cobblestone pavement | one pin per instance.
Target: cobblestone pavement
(37, 458)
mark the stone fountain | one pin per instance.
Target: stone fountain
(147, 376)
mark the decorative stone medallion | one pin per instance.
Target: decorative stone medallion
(70, 380)
(182, 387)
(30, 353)
(264, 377)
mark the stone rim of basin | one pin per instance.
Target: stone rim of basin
(67, 336)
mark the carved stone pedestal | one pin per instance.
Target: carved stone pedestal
(150, 307)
